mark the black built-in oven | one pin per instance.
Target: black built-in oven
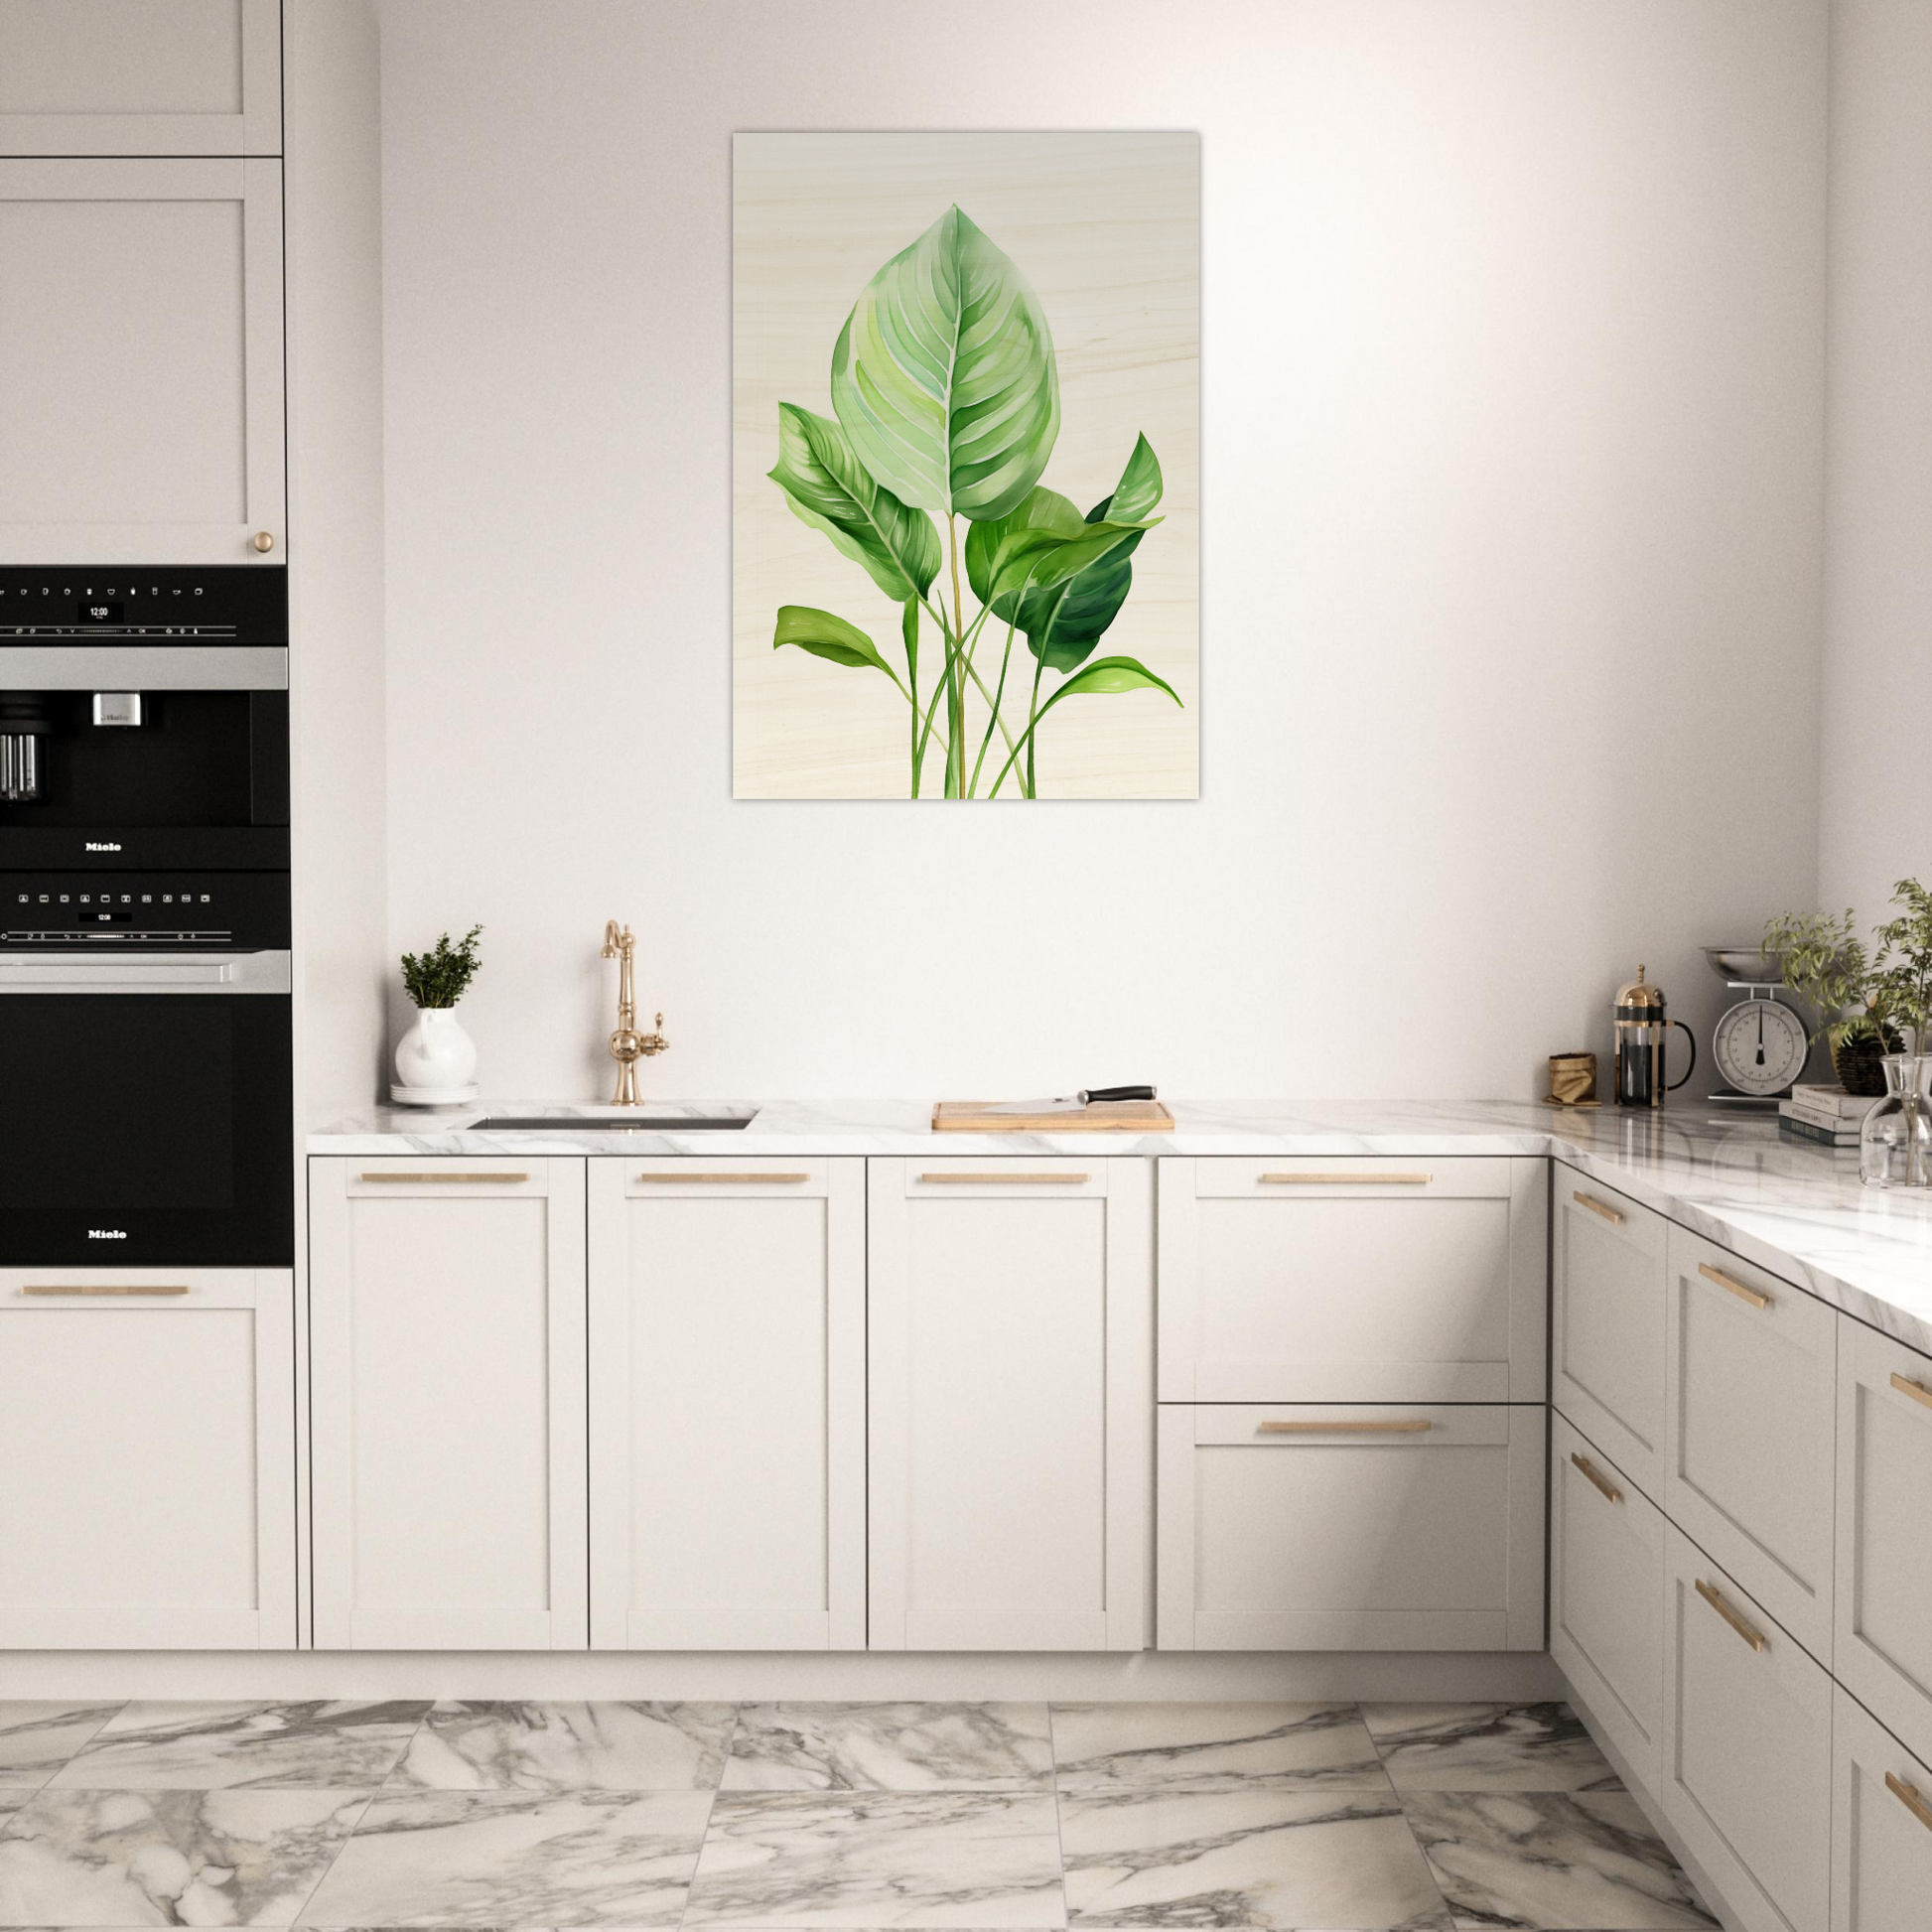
(146, 1105)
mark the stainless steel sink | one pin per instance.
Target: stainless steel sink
(632, 1120)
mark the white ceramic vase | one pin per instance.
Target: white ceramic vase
(435, 1051)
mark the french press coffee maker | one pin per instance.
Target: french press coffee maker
(1641, 1027)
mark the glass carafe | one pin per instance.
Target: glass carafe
(1895, 1143)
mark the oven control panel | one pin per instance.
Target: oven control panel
(218, 603)
(138, 912)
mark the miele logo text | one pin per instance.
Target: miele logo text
(107, 1234)
(98, 844)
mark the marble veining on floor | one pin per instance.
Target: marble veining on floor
(516, 1817)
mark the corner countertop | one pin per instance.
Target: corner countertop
(1731, 1176)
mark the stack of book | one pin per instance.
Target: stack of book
(1829, 1116)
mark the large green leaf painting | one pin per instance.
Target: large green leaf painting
(827, 488)
(943, 377)
(1063, 621)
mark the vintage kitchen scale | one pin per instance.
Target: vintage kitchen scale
(1761, 1044)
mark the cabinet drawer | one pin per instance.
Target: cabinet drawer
(1881, 1828)
(1400, 1279)
(1607, 1363)
(1340, 1527)
(1752, 1368)
(1607, 1595)
(1748, 1747)
(1883, 1639)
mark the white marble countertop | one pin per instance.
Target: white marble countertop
(1732, 1177)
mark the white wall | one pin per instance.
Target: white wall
(1512, 451)
(1879, 492)
(334, 177)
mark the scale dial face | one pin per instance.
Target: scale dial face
(1761, 1047)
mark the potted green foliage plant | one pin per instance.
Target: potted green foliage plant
(435, 1059)
(1830, 967)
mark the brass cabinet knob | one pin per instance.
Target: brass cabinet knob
(263, 541)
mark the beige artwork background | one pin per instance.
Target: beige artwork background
(1107, 229)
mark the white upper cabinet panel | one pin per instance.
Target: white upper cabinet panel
(140, 78)
(1338, 1280)
(141, 361)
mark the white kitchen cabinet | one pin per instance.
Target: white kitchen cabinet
(140, 78)
(1883, 1642)
(1610, 1276)
(1881, 1828)
(1607, 1595)
(141, 362)
(728, 1376)
(1748, 1747)
(1010, 1390)
(1750, 1430)
(447, 1364)
(147, 1424)
(1332, 1527)
(1389, 1280)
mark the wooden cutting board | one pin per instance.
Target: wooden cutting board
(1098, 1117)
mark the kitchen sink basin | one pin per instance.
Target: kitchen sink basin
(630, 1119)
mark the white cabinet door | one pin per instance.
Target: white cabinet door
(1338, 1528)
(447, 1365)
(1009, 1347)
(1883, 1648)
(147, 1424)
(728, 1403)
(1747, 1748)
(1294, 1279)
(1608, 1358)
(140, 77)
(1881, 1828)
(1607, 1596)
(141, 362)
(1749, 1440)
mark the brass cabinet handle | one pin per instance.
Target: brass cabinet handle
(1732, 1286)
(106, 1288)
(1417, 1428)
(442, 1179)
(1916, 1390)
(678, 1179)
(1018, 1178)
(263, 541)
(1593, 1475)
(1348, 1180)
(1910, 1797)
(1755, 1639)
(1601, 1208)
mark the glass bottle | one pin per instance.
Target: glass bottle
(1895, 1143)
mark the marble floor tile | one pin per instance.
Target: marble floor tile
(568, 1747)
(1271, 1860)
(213, 1747)
(1200, 1745)
(36, 1737)
(515, 1858)
(168, 1857)
(890, 1747)
(1552, 1861)
(1488, 1748)
(970, 1858)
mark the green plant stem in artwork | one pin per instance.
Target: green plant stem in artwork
(945, 389)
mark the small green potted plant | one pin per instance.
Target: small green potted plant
(1829, 967)
(1895, 1143)
(436, 1061)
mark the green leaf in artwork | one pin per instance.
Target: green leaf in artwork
(1110, 674)
(828, 487)
(944, 377)
(825, 635)
(1063, 621)
(1040, 542)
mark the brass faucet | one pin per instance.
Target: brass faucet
(628, 1044)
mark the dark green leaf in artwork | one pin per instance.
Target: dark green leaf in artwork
(828, 487)
(825, 635)
(1041, 542)
(944, 378)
